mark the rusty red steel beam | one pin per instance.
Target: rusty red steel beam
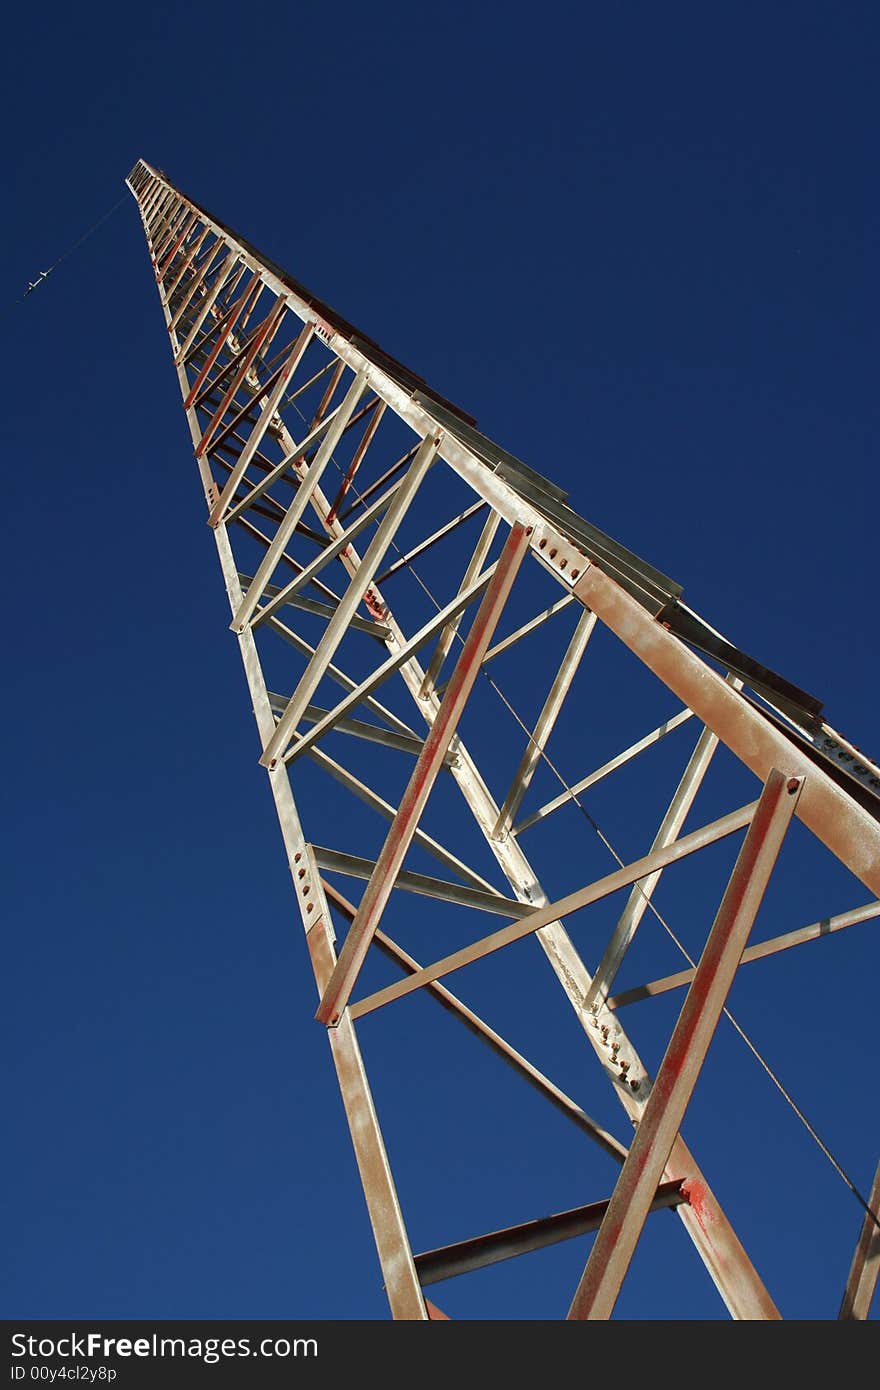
(164, 230)
(249, 406)
(865, 1265)
(213, 386)
(380, 482)
(178, 224)
(225, 326)
(152, 192)
(165, 211)
(248, 409)
(275, 365)
(260, 335)
(206, 257)
(428, 766)
(227, 279)
(720, 1248)
(166, 219)
(850, 832)
(435, 1314)
(479, 1251)
(158, 201)
(658, 1128)
(269, 401)
(159, 213)
(189, 263)
(357, 460)
(349, 424)
(194, 283)
(327, 396)
(188, 224)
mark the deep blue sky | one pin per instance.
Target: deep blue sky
(638, 243)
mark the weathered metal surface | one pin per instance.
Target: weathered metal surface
(826, 927)
(606, 769)
(838, 821)
(430, 760)
(392, 1243)
(359, 591)
(476, 1025)
(400, 658)
(710, 1241)
(490, 1249)
(553, 912)
(637, 903)
(865, 1265)
(649, 1152)
(239, 411)
(546, 719)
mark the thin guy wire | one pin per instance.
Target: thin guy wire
(44, 274)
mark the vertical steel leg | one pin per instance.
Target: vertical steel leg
(395, 1254)
(866, 1262)
(650, 1150)
(392, 1243)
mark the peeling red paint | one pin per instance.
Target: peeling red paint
(375, 607)
(435, 1314)
(695, 1194)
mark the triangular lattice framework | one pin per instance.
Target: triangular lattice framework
(329, 469)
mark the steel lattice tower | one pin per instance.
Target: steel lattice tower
(329, 469)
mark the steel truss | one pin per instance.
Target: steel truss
(325, 465)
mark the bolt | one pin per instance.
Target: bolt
(634, 1084)
(792, 785)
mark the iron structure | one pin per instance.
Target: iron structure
(331, 473)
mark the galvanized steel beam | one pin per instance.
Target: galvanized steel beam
(197, 281)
